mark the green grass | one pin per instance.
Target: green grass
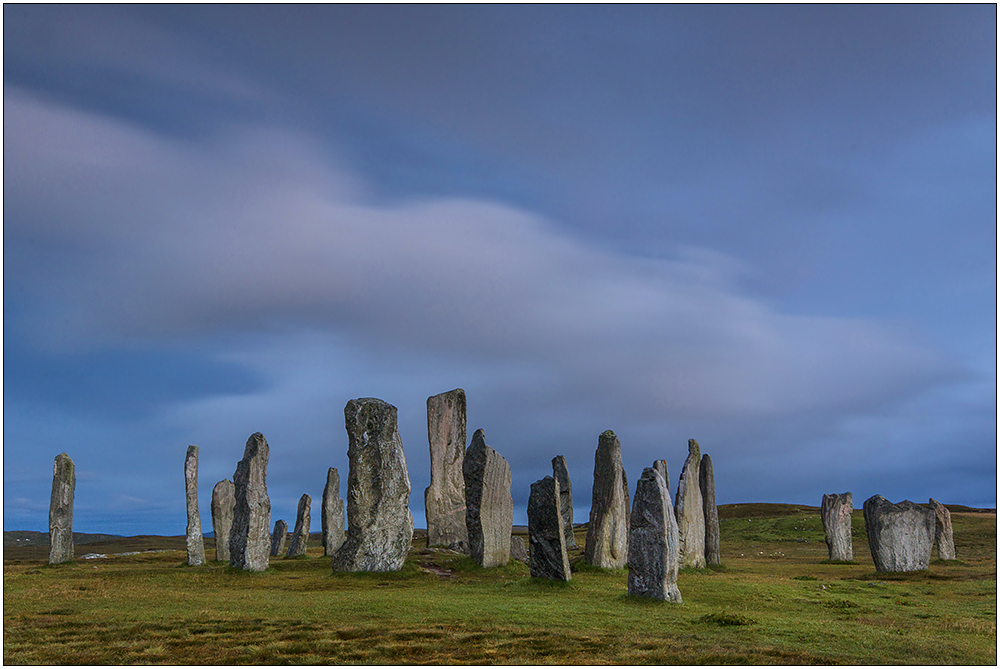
(776, 602)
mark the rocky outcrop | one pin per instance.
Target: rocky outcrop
(489, 507)
(836, 516)
(300, 537)
(444, 499)
(223, 502)
(250, 537)
(653, 559)
(279, 537)
(900, 536)
(546, 539)
(689, 508)
(560, 472)
(608, 528)
(61, 510)
(706, 478)
(195, 540)
(332, 514)
(943, 534)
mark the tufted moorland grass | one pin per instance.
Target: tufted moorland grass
(776, 601)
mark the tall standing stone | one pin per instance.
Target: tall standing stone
(332, 514)
(279, 537)
(489, 507)
(661, 466)
(444, 499)
(653, 559)
(706, 479)
(300, 537)
(380, 525)
(943, 534)
(900, 536)
(61, 510)
(836, 516)
(607, 531)
(561, 474)
(250, 537)
(690, 510)
(223, 502)
(546, 538)
(195, 541)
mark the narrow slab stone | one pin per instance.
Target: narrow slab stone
(661, 466)
(517, 550)
(61, 510)
(706, 478)
(489, 507)
(653, 558)
(250, 537)
(332, 514)
(560, 472)
(689, 508)
(943, 534)
(279, 537)
(444, 499)
(223, 502)
(608, 528)
(195, 540)
(300, 537)
(836, 516)
(900, 536)
(546, 539)
(380, 525)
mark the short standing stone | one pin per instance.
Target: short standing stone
(943, 534)
(836, 516)
(332, 515)
(546, 539)
(489, 507)
(661, 466)
(300, 537)
(61, 510)
(380, 525)
(279, 537)
(689, 508)
(706, 478)
(250, 537)
(195, 541)
(517, 550)
(444, 499)
(223, 501)
(607, 530)
(561, 474)
(900, 535)
(653, 559)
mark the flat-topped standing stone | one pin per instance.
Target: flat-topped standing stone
(250, 537)
(900, 535)
(607, 531)
(561, 474)
(706, 479)
(546, 539)
(61, 510)
(380, 525)
(661, 466)
(690, 510)
(332, 514)
(300, 537)
(444, 499)
(517, 550)
(279, 537)
(943, 534)
(195, 541)
(223, 501)
(836, 516)
(653, 559)
(489, 507)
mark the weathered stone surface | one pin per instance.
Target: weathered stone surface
(279, 537)
(900, 536)
(561, 474)
(607, 530)
(489, 507)
(706, 479)
(546, 539)
(661, 466)
(836, 516)
(444, 499)
(250, 537)
(332, 514)
(517, 550)
(61, 510)
(943, 535)
(690, 510)
(653, 559)
(195, 540)
(380, 525)
(300, 537)
(223, 502)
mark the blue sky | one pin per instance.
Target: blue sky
(772, 229)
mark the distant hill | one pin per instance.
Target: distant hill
(30, 538)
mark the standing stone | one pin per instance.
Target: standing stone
(489, 507)
(607, 531)
(444, 499)
(653, 558)
(517, 550)
(546, 539)
(300, 537)
(943, 535)
(61, 510)
(661, 466)
(836, 516)
(195, 541)
(706, 479)
(380, 525)
(279, 536)
(332, 515)
(249, 539)
(561, 474)
(900, 535)
(690, 510)
(223, 501)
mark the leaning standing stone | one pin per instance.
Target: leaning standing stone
(195, 541)
(546, 540)
(607, 531)
(489, 507)
(300, 537)
(661, 466)
(61, 510)
(561, 474)
(332, 515)
(836, 516)
(250, 538)
(943, 534)
(900, 535)
(279, 536)
(706, 478)
(444, 499)
(653, 559)
(223, 501)
(690, 510)
(380, 525)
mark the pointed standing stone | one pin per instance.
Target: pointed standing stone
(900, 536)
(300, 537)
(546, 539)
(607, 531)
(943, 534)
(61, 510)
(444, 499)
(489, 507)
(279, 536)
(223, 501)
(380, 525)
(706, 478)
(690, 510)
(653, 559)
(836, 516)
(661, 466)
(332, 515)
(195, 541)
(249, 539)
(561, 474)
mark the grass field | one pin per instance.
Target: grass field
(774, 601)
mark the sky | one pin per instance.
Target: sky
(769, 228)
